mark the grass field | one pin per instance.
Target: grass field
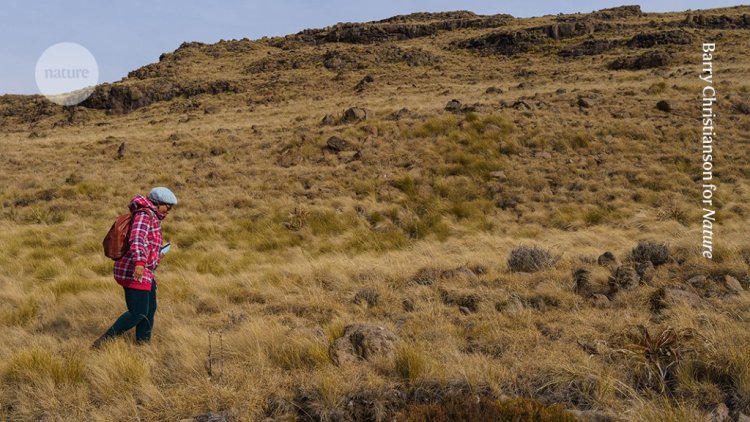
(281, 241)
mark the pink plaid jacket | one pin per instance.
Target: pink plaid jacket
(145, 243)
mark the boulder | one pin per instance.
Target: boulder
(336, 144)
(664, 106)
(732, 284)
(355, 114)
(606, 259)
(623, 278)
(362, 342)
(453, 106)
(328, 120)
(646, 271)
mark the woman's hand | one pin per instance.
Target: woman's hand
(138, 273)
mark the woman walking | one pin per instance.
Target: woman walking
(135, 270)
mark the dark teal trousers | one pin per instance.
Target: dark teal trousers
(140, 314)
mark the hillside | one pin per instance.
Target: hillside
(452, 178)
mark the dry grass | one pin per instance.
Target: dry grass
(279, 243)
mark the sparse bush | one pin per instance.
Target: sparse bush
(530, 259)
(368, 295)
(657, 253)
(410, 362)
(471, 408)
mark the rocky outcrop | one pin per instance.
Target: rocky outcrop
(401, 27)
(362, 342)
(675, 37)
(717, 21)
(126, 97)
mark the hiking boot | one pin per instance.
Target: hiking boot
(98, 343)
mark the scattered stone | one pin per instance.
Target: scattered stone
(647, 60)
(367, 295)
(530, 259)
(743, 108)
(732, 284)
(600, 301)
(469, 301)
(336, 144)
(660, 38)
(623, 278)
(364, 83)
(522, 105)
(328, 120)
(499, 175)
(545, 155)
(511, 306)
(664, 298)
(216, 151)
(362, 342)
(355, 114)
(207, 417)
(606, 259)
(494, 90)
(370, 130)
(584, 102)
(581, 284)
(646, 271)
(594, 347)
(121, 150)
(408, 305)
(664, 106)
(720, 413)
(464, 310)
(400, 114)
(426, 276)
(657, 253)
(697, 281)
(588, 48)
(453, 106)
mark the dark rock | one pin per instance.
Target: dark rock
(584, 102)
(647, 60)
(355, 114)
(581, 284)
(328, 120)
(408, 305)
(743, 108)
(588, 48)
(664, 106)
(623, 278)
(362, 342)
(717, 21)
(732, 284)
(400, 114)
(453, 106)
(367, 295)
(619, 12)
(600, 301)
(530, 259)
(216, 151)
(336, 144)
(493, 90)
(469, 301)
(646, 271)
(606, 259)
(209, 417)
(678, 37)
(664, 298)
(403, 27)
(121, 150)
(657, 253)
(697, 281)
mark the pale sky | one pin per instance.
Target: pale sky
(124, 35)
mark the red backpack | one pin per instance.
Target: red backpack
(116, 242)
